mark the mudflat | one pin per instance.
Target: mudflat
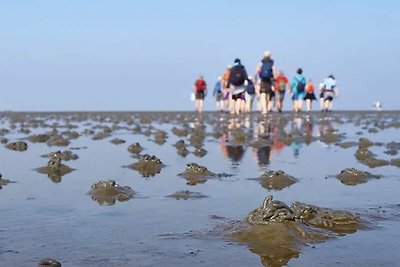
(181, 188)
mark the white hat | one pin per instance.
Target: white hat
(267, 53)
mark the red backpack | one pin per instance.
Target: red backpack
(200, 85)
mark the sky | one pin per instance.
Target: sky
(88, 55)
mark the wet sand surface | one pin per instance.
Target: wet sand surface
(182, 185)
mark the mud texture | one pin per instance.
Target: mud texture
(63, 155)
(117, 141)
(365, 143)
(39, 138)
(277, 232)
(107, 193)
(55, 169)
(395, 162)
(353, 176)
(17, 146)
(276, 180)
(186, 194)
(135, 148)
(49, 263)
(196, 174)
(3, 181)
(147, 165)
(160, 137)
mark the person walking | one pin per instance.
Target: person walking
(200, 90)
(249, 95)
(298, 90)
(265, 70)
(321, 95)
(310, 96)
(219, 96)
(330, 91)
(225, 89)
(236, 85)
(281, 83)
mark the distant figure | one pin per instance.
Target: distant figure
(298, 90)
(219, 96)
(200, 89)
(310, 96)
(378, 106)
(265, 71)
(236, 85)
(321, 95)
(249, 95)
(225, 90)
(281, 83)
(330, 92)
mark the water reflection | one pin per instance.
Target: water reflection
(265, 136)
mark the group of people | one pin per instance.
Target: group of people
(235, 91)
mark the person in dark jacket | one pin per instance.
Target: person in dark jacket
(266, 72)
(237, 86)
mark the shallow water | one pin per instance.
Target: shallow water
(42, 219)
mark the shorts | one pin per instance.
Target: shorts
(328, 95)
(200, 95)
(280, 95)
(219, 96)
(266, 87)
(310, 96)
(240, 96)
(271, 95)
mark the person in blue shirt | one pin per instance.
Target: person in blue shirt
(219, 96)
(330, 91)
(297, 90)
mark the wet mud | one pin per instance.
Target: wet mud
(147, 165)
(353, 176)
(277, 232)
(276, 180)
(108, 192)
(218, 153)
(186, 194)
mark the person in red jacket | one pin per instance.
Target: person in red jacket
(281, 83)
(200, 90)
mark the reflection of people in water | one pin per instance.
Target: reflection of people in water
(264, 155)
(235, 153)
(308, 128)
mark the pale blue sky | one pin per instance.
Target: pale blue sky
(145, 55)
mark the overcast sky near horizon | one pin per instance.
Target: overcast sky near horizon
(144, 55)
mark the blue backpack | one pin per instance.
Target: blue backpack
(301, 85)
(218, 87)
(251, 90)
(266, 70)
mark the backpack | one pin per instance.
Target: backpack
(218, 88)
(238, 75)
(200, 85)
(251, 90)
(301, 85)
(266, 70)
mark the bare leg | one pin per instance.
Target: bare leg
(308, 104)
(321, 103)
(271, 104)
(263, 103)
(200, 107)
(238, 105)
(299, 104)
